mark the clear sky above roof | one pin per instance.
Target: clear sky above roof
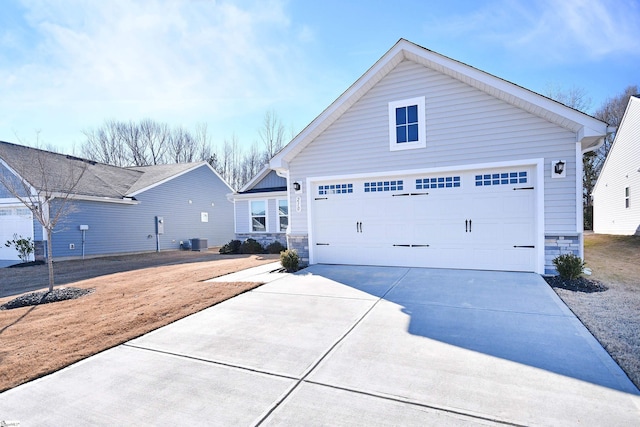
(67, 66)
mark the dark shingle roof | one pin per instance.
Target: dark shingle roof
(54, 171)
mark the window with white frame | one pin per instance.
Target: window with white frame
(283, 215)
(627, 192)
(258, 216)
(407, 128)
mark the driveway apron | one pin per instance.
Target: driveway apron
(350, 345)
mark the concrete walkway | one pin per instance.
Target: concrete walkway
(345, 345)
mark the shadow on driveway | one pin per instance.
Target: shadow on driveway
(511, 316)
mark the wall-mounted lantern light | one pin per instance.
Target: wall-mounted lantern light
(558, 169)
(297, 187)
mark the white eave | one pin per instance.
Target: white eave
(590, 131)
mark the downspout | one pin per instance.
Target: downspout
(284, 173)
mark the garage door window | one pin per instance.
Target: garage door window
(503, 178)
(439, 182)
(323, 190)
(372, 187)
(258, 216)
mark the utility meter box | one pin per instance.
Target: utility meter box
(159, 225)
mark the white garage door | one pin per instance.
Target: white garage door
(14, 220)
(474, 220)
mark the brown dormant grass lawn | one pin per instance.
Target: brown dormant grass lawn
(613, 316)
(41, 339)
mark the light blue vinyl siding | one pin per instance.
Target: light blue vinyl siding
(120, 228)
(272, 180)
(243, 223)
(463, 126)
(38, 232)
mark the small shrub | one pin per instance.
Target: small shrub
(25, 247)
(275, 248)
(569, 266)
(290, 260)
(233, 247)
(251, 246)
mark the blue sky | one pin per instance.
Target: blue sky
(68, 65)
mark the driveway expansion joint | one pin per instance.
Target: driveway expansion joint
(213, 362)
(314, 365)
(417, 404)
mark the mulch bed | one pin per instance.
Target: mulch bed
(581, 284)
(26, 264)
(45, 297)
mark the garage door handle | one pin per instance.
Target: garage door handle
(322, 244)
(524, 188)
(524, 246)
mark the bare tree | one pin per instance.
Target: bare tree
(106, 145)
(203, 141)
(574, 97)
(271, 133)
(155, 139)
(252, 162)
(45, 183)
(151, 143)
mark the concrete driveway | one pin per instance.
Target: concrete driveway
(347, 345)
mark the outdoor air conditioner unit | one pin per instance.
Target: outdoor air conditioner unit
(199, 245)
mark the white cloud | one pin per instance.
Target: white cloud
(550, 31)
(592, 28)
(176, 58)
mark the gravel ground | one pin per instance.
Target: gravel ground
(612, 316)
(45, 297)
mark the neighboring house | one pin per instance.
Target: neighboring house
(426, 161)
(262, 209)
(616, 195)
(118, 207)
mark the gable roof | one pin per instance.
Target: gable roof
(590, 130)
(42, 169)
(628, 125)
(250, 187)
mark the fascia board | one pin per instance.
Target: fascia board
(32, 189)
(374, 74)
(196, 166)
(257, 178)
(537, 104)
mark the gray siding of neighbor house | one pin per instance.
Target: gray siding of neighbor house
(120, 228)
(272, 180)
(463, 125)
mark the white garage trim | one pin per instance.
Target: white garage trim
(537, 164)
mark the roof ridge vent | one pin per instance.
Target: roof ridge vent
(91, 162)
